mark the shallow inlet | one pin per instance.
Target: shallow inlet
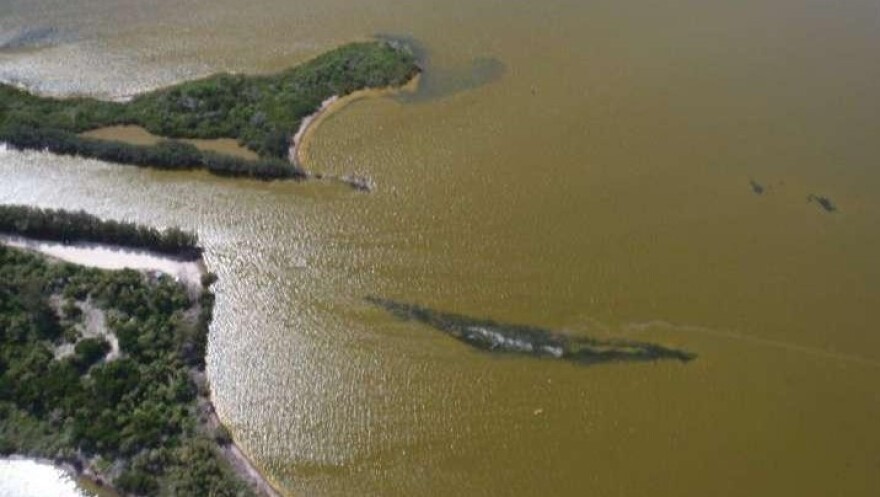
(110, 257)
(137, 135)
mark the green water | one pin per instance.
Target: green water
(582, 167)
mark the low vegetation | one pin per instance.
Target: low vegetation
(130, 418)
(66, 226)
(261, 112)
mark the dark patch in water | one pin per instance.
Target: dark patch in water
(757, 188)
(410, 42)
(823, 202)
(491, 336)
(440, 82)
(33, 37)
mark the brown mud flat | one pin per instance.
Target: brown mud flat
(136, 135)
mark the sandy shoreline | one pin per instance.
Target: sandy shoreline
(299, 143)
(189, 273)
(304, 126)
(237, 458)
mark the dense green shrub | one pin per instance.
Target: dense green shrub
(89, 351)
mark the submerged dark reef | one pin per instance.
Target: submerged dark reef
(824, 202)
(440, 81)
(503, 338)
(31, 38)
(757, 188)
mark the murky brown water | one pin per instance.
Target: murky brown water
(140, 136)
(597, 184)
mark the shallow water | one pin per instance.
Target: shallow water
(109, 257)
(140, 136)
(595, 181)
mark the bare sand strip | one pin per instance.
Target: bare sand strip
(113, 257)
(246, 470)
(234, 455)
(298, 149)
(296, 142)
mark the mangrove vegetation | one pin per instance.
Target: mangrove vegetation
(122, 398)
(68, 227)
(261, 112)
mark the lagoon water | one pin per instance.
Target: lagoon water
(581, 167)
(188, 273)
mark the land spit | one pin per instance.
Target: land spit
(298, 154)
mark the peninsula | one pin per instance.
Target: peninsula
(102, 372)
(261, 112)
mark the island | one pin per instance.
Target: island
(103, 372)
(262, 113)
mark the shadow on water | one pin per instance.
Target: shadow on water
(26, 38)
(757, 188)
(439, 82)
(503, 338)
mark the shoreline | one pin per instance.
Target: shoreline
(300, 140)
(238, 460)
(114, 257)
(297, 139)
(208, 420)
